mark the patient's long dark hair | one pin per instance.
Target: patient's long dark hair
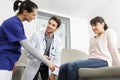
(98, 19)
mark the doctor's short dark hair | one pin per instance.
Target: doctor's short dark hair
(98, 19)
(57, 20)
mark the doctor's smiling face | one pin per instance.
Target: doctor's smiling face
(53, 25)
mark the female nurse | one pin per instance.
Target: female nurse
(12, 38)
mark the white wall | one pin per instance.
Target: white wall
(79, 34)
(29, 28)
(6, 8)
(111, 14)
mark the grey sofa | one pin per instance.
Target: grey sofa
(104, 73)
(69, 55)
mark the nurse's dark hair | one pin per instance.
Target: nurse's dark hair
(98, 19)
(57, 20)
(24, 5)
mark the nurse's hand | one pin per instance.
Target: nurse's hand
(52, 66)
(14, 68)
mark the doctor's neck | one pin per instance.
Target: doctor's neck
(49, 35)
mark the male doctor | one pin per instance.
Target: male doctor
(50, 46)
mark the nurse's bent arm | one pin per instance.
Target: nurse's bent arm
(29, 48)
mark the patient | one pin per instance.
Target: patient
(103, 48)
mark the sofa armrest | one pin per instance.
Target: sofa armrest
(104, 72)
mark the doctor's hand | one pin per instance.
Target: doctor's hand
(52, 66)
(47, 57)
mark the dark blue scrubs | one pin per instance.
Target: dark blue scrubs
(11, 32)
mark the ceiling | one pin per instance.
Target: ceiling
(77, 8)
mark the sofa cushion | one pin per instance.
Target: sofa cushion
(104, 72)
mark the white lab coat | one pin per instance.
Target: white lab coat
(38, 40)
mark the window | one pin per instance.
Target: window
(64, 30)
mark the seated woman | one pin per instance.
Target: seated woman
(101, 51)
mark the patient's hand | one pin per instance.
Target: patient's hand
(52, 66)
